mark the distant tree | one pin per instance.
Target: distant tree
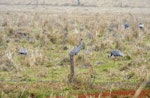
(78, 2)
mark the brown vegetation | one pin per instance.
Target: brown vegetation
(49, 37)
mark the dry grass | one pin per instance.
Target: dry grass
(101, 3)
(49, 38)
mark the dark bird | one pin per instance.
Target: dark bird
(126, 25)
(116, 53)
(23, 51)
(141, 25)
(76, 50)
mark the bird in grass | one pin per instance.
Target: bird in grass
(116, 53)
(126, 25)
(141, 25)
(23, 51)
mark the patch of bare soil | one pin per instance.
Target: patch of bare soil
(118, 93)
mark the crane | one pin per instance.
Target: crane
(116, 53)
(141, 25)
(126, 25)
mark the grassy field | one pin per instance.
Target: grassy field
(49, 33)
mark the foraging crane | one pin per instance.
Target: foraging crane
(116, 53)
(23, 51)
(72, 54)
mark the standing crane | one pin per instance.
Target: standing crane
(72, 55)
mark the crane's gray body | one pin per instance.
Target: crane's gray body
(76, 50)
(141, 25)
(126, 25)
(116, 53)
(23, 51)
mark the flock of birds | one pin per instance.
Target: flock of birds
(115, 52)
(76, 50)
(140, 25)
